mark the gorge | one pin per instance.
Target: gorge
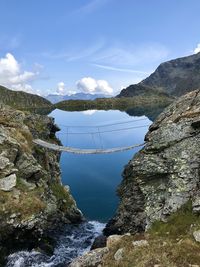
(158, 196)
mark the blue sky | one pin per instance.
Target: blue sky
(91, 45)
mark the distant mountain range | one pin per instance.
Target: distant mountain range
(53, 98)
(170, 80)
(175, 78)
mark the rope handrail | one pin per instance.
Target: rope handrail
(108, 131)
(103, 125)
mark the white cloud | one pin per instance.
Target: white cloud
(8, 65)
(24, 87)
(61, 88)
(197, 49)
(129, 55)
(89, 112)
(90, 7)
(75, 53)
(13, 77)
(120, 69)
(92, 86)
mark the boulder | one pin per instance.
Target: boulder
(113, 239)
(8, 183)
(90, 259)
(196, 204)
(99, 242)
(140, 243)
(196, 235)
(119, 254)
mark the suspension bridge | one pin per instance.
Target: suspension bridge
(97, 130)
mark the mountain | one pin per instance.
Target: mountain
(53, 98)
(22, 100)
(175, 77)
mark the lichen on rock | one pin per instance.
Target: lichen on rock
(164, 175)
(33, 200)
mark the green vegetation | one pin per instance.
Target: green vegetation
(180, 224)
(159, 253)
(21, 185)
(62, 195)
(25, 203)
(22, 100)
(122, 104)
(171, 244)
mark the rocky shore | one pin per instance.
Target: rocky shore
(157, 222)
(33, 200)
(164, 175)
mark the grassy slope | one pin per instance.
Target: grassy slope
(171, 244)
(22, 100)
(115, 103)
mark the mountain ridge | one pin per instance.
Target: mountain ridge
(53, 98)
(175, 77)
(22, 100)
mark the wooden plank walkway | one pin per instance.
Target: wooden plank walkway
(82, 151)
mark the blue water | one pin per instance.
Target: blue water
(93, 179)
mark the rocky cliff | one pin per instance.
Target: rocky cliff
(32, 198)
(175, 78)
(157, 223)
(164, 175)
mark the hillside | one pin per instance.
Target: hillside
(175, 77)
(22, 100)
(149, 104)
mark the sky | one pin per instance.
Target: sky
(92, 46)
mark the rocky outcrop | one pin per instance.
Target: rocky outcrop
(175, 78)
(165, 173)
(32, 199)
(90, 259)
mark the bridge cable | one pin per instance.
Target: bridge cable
(109, 131)
(93, 140)
(103, 125)
(100, 139)
(67, 137)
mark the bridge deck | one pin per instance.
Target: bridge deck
(82, 151)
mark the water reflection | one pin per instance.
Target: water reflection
(93, 179)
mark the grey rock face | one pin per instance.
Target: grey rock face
(165, 173)
(90, 259)
(8, 183)
(196, 235)
(119, 254)
(32, 198)
(140, 243)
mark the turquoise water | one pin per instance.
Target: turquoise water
(93, 179)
